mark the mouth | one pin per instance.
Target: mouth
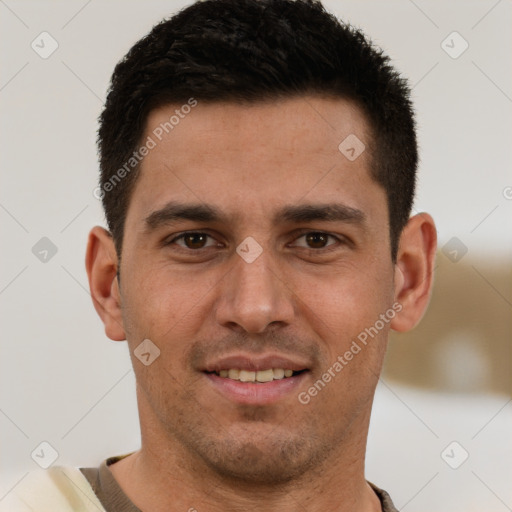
(260, 376)
(257, 381)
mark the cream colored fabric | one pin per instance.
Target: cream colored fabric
(58, 489)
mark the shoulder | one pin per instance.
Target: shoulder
(59, 489)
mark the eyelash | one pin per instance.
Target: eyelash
(302, 234)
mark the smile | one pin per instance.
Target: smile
(263, 387)
(256, 376)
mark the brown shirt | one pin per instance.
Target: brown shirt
(114, 499)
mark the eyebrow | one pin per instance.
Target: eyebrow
(331, 212)
(174, 211)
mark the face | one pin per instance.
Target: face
(253, 245)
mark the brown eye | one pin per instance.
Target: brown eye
(195, 240)
(317, 240)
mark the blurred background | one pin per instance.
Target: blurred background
(440, 437)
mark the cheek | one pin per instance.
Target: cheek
(344, 303)
(161, 302)
(346, 316)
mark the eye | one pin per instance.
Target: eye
(317, 240)
(193, 240)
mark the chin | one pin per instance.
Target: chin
(263, 461)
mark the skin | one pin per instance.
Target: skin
(198, 299)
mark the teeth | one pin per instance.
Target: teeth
(265, 376)
(253, 376)
(234, 374)
(278, 373)
(246, 376)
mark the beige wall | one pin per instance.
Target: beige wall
(464, 341)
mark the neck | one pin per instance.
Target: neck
(165, 476)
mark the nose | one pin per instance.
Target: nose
(253, 296)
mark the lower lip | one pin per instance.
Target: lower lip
(256, 393)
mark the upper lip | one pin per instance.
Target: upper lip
(255, 363)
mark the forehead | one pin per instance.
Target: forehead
(304, 124)
(256, 156)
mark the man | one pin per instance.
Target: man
(258, 163)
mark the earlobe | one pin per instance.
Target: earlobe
(101, 265)
(414, 271)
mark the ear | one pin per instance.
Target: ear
(101, 264)
(414, 270)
